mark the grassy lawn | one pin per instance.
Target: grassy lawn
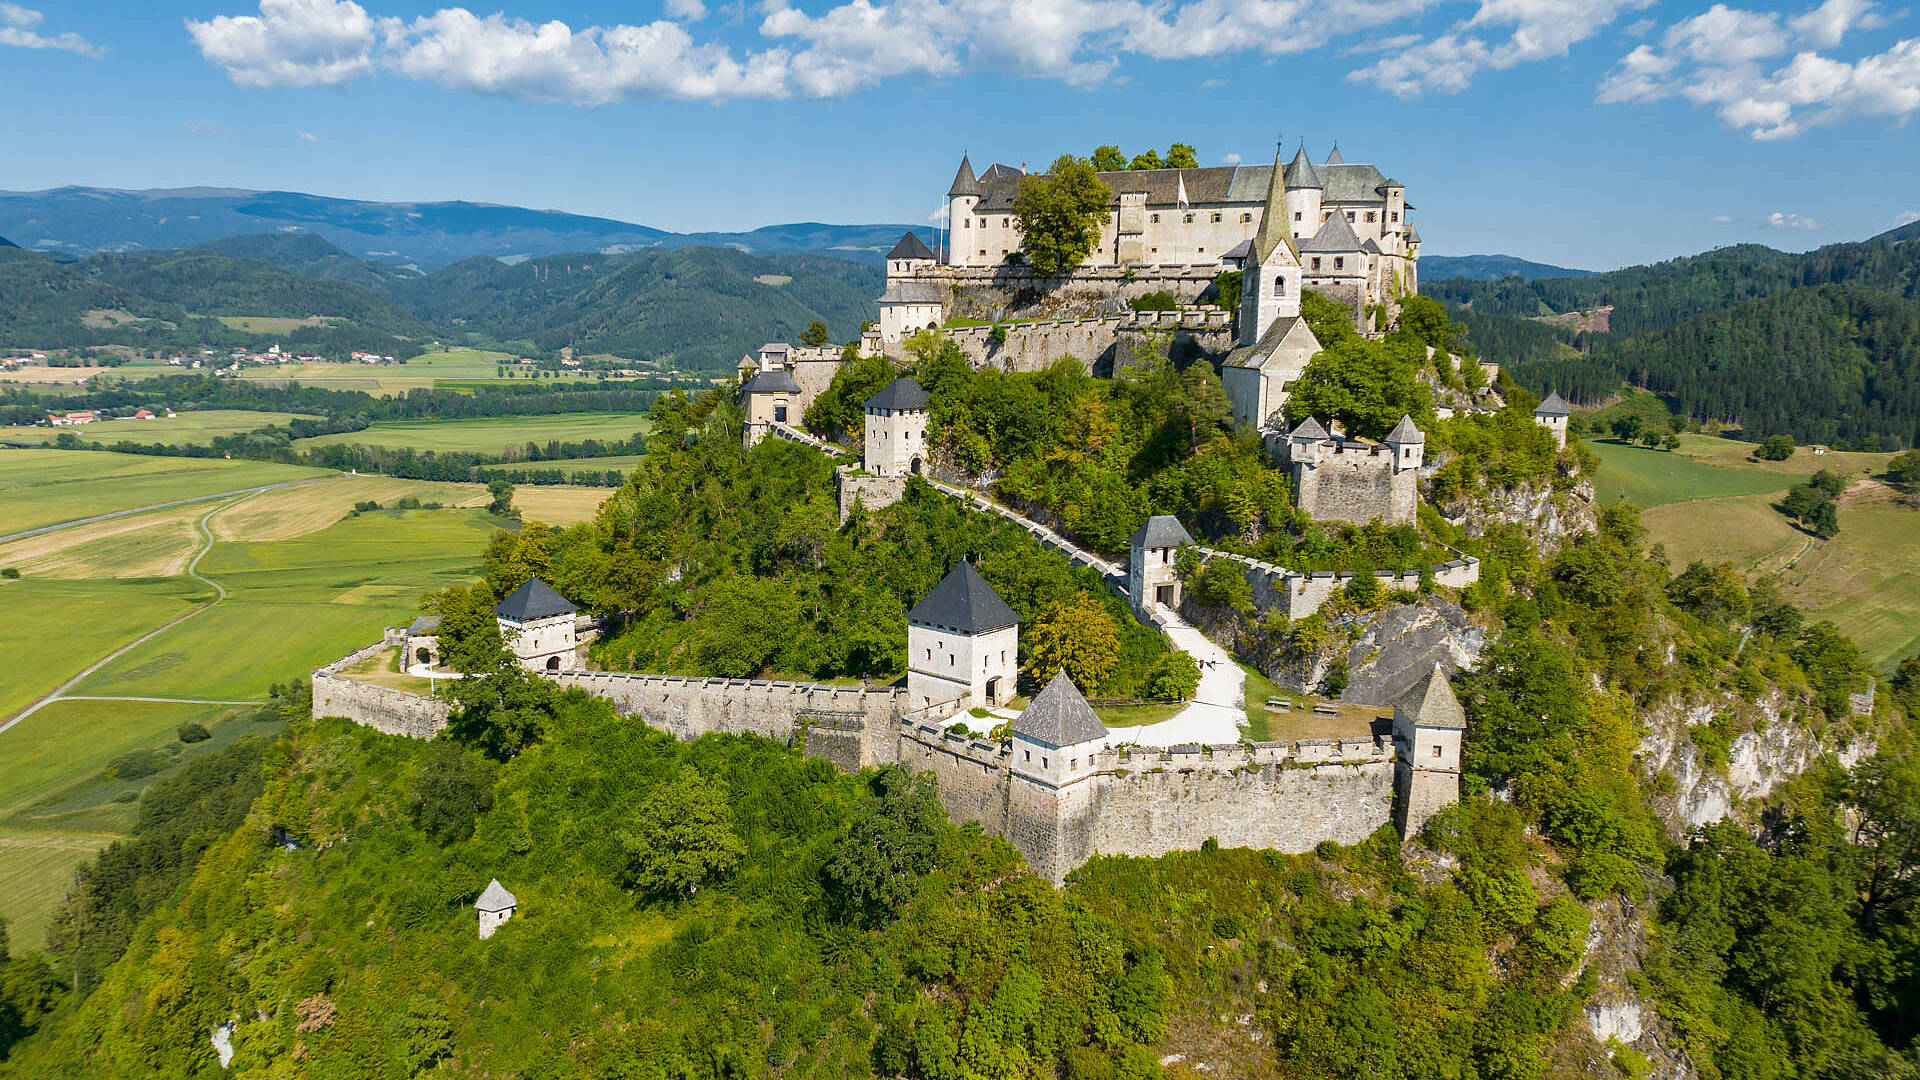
(559, 505)
(158, 543)
(338, 586)
(35, 870)
(45, 487)
(491, 435)
(55, 629)
(1653, 477)
(180, 430)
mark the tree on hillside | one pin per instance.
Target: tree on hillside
(469, 633)
(503, 712)
(1109, 159)
(453, 789)
(1060, 214)
(893, 839)
(1076, 636)
(500, 494)
(682, 835)
(815, 335)
(1365, 385)
(1775, 448)
(1904, 470)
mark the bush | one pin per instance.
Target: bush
(1159, 300)
(1775, 448)
(10, 573)
(193, 731)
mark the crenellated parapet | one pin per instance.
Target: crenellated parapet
(1300, 593)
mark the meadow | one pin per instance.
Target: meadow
(179, 430)
(269, 324)
(492, 435)
(449, 369)
(44, 487)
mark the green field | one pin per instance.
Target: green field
(490, 435)
(183, 429)
(55, 629)
(36, 869)
(44, 487)
(270, 324)
(1652, 477)
(296, 604)
(623, 463)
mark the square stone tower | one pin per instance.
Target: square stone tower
(769, 397)
(1152, 579)
(537, 625)
(1427, 725)
(496, 905)
(896, 436)
(963, 644)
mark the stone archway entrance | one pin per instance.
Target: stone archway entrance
(915, 466)
(993, 690)
(423, 655)
(553, 663)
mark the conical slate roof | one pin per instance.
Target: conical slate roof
(534, 600)
(1553, 406)
(1431, 704)
(1302, 174)
(1334, 158)
(1334, 236)
(495, 898)
(1276, 229)
(910, 247)
(1309, 429)
(964, 182)
(1160, 531)
(963, 601)
(1405, 432)
(901, 393)
(1059, 716)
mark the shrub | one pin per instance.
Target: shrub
(1158, 300)
(193, 731)
(10, 573)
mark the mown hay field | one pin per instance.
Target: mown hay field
(46, 487)
(491, 435)
(199, 428)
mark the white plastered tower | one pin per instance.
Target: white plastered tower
(895, 441)
(963, 645)
(1270, 283)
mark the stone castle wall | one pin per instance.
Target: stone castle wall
(395, 712)
(873, 492)
(1299, 594)
(1357, 486)
(1013, 292)
(1104, 344)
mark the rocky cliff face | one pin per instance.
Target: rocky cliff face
(1774, 748)
(1551, 518)
(1384, 651)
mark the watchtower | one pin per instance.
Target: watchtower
(537, 625)
(1427, 725)
(1055, 739)
(770, 397)
(963, 644)
(1408, 443)
(1553, 414)
(896, 435)
(1152, 578)
(496, 905)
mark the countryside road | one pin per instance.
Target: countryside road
(156, 506)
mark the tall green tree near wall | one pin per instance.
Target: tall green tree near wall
(1060, 214)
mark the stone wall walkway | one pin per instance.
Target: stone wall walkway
(1114, 573)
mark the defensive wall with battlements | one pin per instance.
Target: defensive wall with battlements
(382, 708)
(1104, 343)
(1299, 594)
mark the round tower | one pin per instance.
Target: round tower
(1304, 191)
(961, 197)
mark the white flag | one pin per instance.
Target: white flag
(1183, 191)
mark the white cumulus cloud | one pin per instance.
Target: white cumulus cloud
(19, 27)
(1906, 217)
(1767, 75)
(1502, 34)
(687, 10)
(1779, 220)
(290, 43)
(1230, 159)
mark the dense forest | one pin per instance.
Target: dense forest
(698, 308)
(1820, 346)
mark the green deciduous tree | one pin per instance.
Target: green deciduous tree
(815, 335)
(1109, 159)
(453, 789)
(1076, 636)
(502, 712)
(1060, 214)
(682, 835)
(1181, 156)
(892, 840)
(1147, 160)
(1775, 448)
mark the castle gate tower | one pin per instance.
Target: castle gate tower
(963, 644)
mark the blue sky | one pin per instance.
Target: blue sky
(1580, 132)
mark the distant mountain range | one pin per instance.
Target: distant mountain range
(79, 221)
(1490, 268)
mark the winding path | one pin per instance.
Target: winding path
(192, 571)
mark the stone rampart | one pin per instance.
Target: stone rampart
(1006, 292)
(1299, 593)
(794, 434)
(873, 492)
(382, 708)
(690, 706)
(1103, 343)
(972, 774)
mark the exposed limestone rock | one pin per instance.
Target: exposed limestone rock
(1551, 518)
(1616, 945)
(1385, 651)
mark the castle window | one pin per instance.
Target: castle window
(1436, 751)
(983, 222)
(1316, 262)
(1349, 217)
(1279, 286)
(966, 223)
(1216, 219)
(1296, 215)
(1203, 251)
(1369, 215)
(1043, 762)
(1245, 218)
(1073, 764)
(1339, 262)
(1029, 755)
(1003, 222)
(1187, 219)
(1395, 216)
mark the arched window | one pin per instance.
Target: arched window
(1279, 286)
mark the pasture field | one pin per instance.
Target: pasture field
(557, 505)
(45, 487)
(181, 430)
(289, 512)
(492, 435)
(624, 463)
(271, 324)
(295, 604)
(35, 870)
(56, 629)
(1647, 478)
(158, 543)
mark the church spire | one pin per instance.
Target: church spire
(1275, 227)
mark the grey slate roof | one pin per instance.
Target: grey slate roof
(533, 600)
(910, 247)
(1241, 251)
(1413, 234)
(1370, 247)
(1334, 158)
(775, 381)
(1431, 704)
(1405, 432)
(425, 624)
(1335, 235)
(901, 393)
(1275, 230)
(1257, 354)
(1553, 406)
(1208, 185)
(1309, 429)
(1059, 716)
(963, 601)
(1160, 531)
(911, 292)
(964, 182)
(1302, 174)
(495, 898)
